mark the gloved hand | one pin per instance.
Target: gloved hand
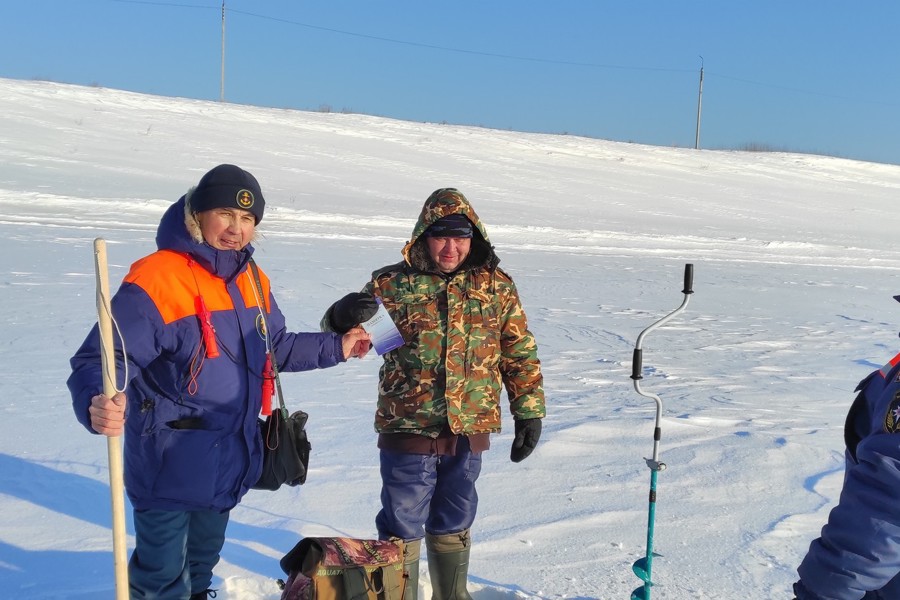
(528, 432)
(351, 310)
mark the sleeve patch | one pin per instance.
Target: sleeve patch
(892, 418)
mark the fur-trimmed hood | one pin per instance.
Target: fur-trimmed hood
(441, 203)
(179, 231)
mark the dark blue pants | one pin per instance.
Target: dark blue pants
(175, 552)
(427, 493)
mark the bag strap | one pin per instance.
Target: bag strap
(261, 300)
(357, 583)
(384, 581)
(392, 582)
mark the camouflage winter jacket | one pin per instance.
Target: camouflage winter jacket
(465, 334)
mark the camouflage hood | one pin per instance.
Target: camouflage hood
(441, 203)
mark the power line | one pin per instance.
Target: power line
(458, 50)
(500, 55)
(172, 4)
(802, 91)
(409, 43)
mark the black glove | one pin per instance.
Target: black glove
(528, 432)
(351, 310)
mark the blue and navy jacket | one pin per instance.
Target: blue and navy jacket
(191, 433)
(858, 553)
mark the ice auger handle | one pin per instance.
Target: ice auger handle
(688, 279)
(637, 364)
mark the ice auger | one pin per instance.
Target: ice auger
(643, 566)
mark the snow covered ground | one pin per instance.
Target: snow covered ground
(795, 260)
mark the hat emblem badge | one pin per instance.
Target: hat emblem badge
(245, 199)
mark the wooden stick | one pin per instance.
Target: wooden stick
(114, 446)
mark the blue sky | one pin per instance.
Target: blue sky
(799, 75)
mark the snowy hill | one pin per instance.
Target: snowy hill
(795, 265)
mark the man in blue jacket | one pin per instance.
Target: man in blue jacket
(198, 328)
(858, 553)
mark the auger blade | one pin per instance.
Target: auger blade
(641, 568)
(642, 593)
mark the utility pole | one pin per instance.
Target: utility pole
(699, 106)
(222, 86)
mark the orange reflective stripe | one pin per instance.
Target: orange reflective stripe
(890, 365)
(247, 285)
(173, 285)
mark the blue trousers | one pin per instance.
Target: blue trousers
(175, 552)
(427, 493)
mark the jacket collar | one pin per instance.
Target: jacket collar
(172, 234)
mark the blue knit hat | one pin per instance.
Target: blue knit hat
(455, 225)
(228, 186)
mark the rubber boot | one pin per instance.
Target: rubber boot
(448, 565)
(411, 552)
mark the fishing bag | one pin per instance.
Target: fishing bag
(286, 446)
(339, 568)
(286, 449)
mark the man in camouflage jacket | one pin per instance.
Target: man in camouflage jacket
(465, 336)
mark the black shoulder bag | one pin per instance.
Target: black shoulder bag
(285, 445)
